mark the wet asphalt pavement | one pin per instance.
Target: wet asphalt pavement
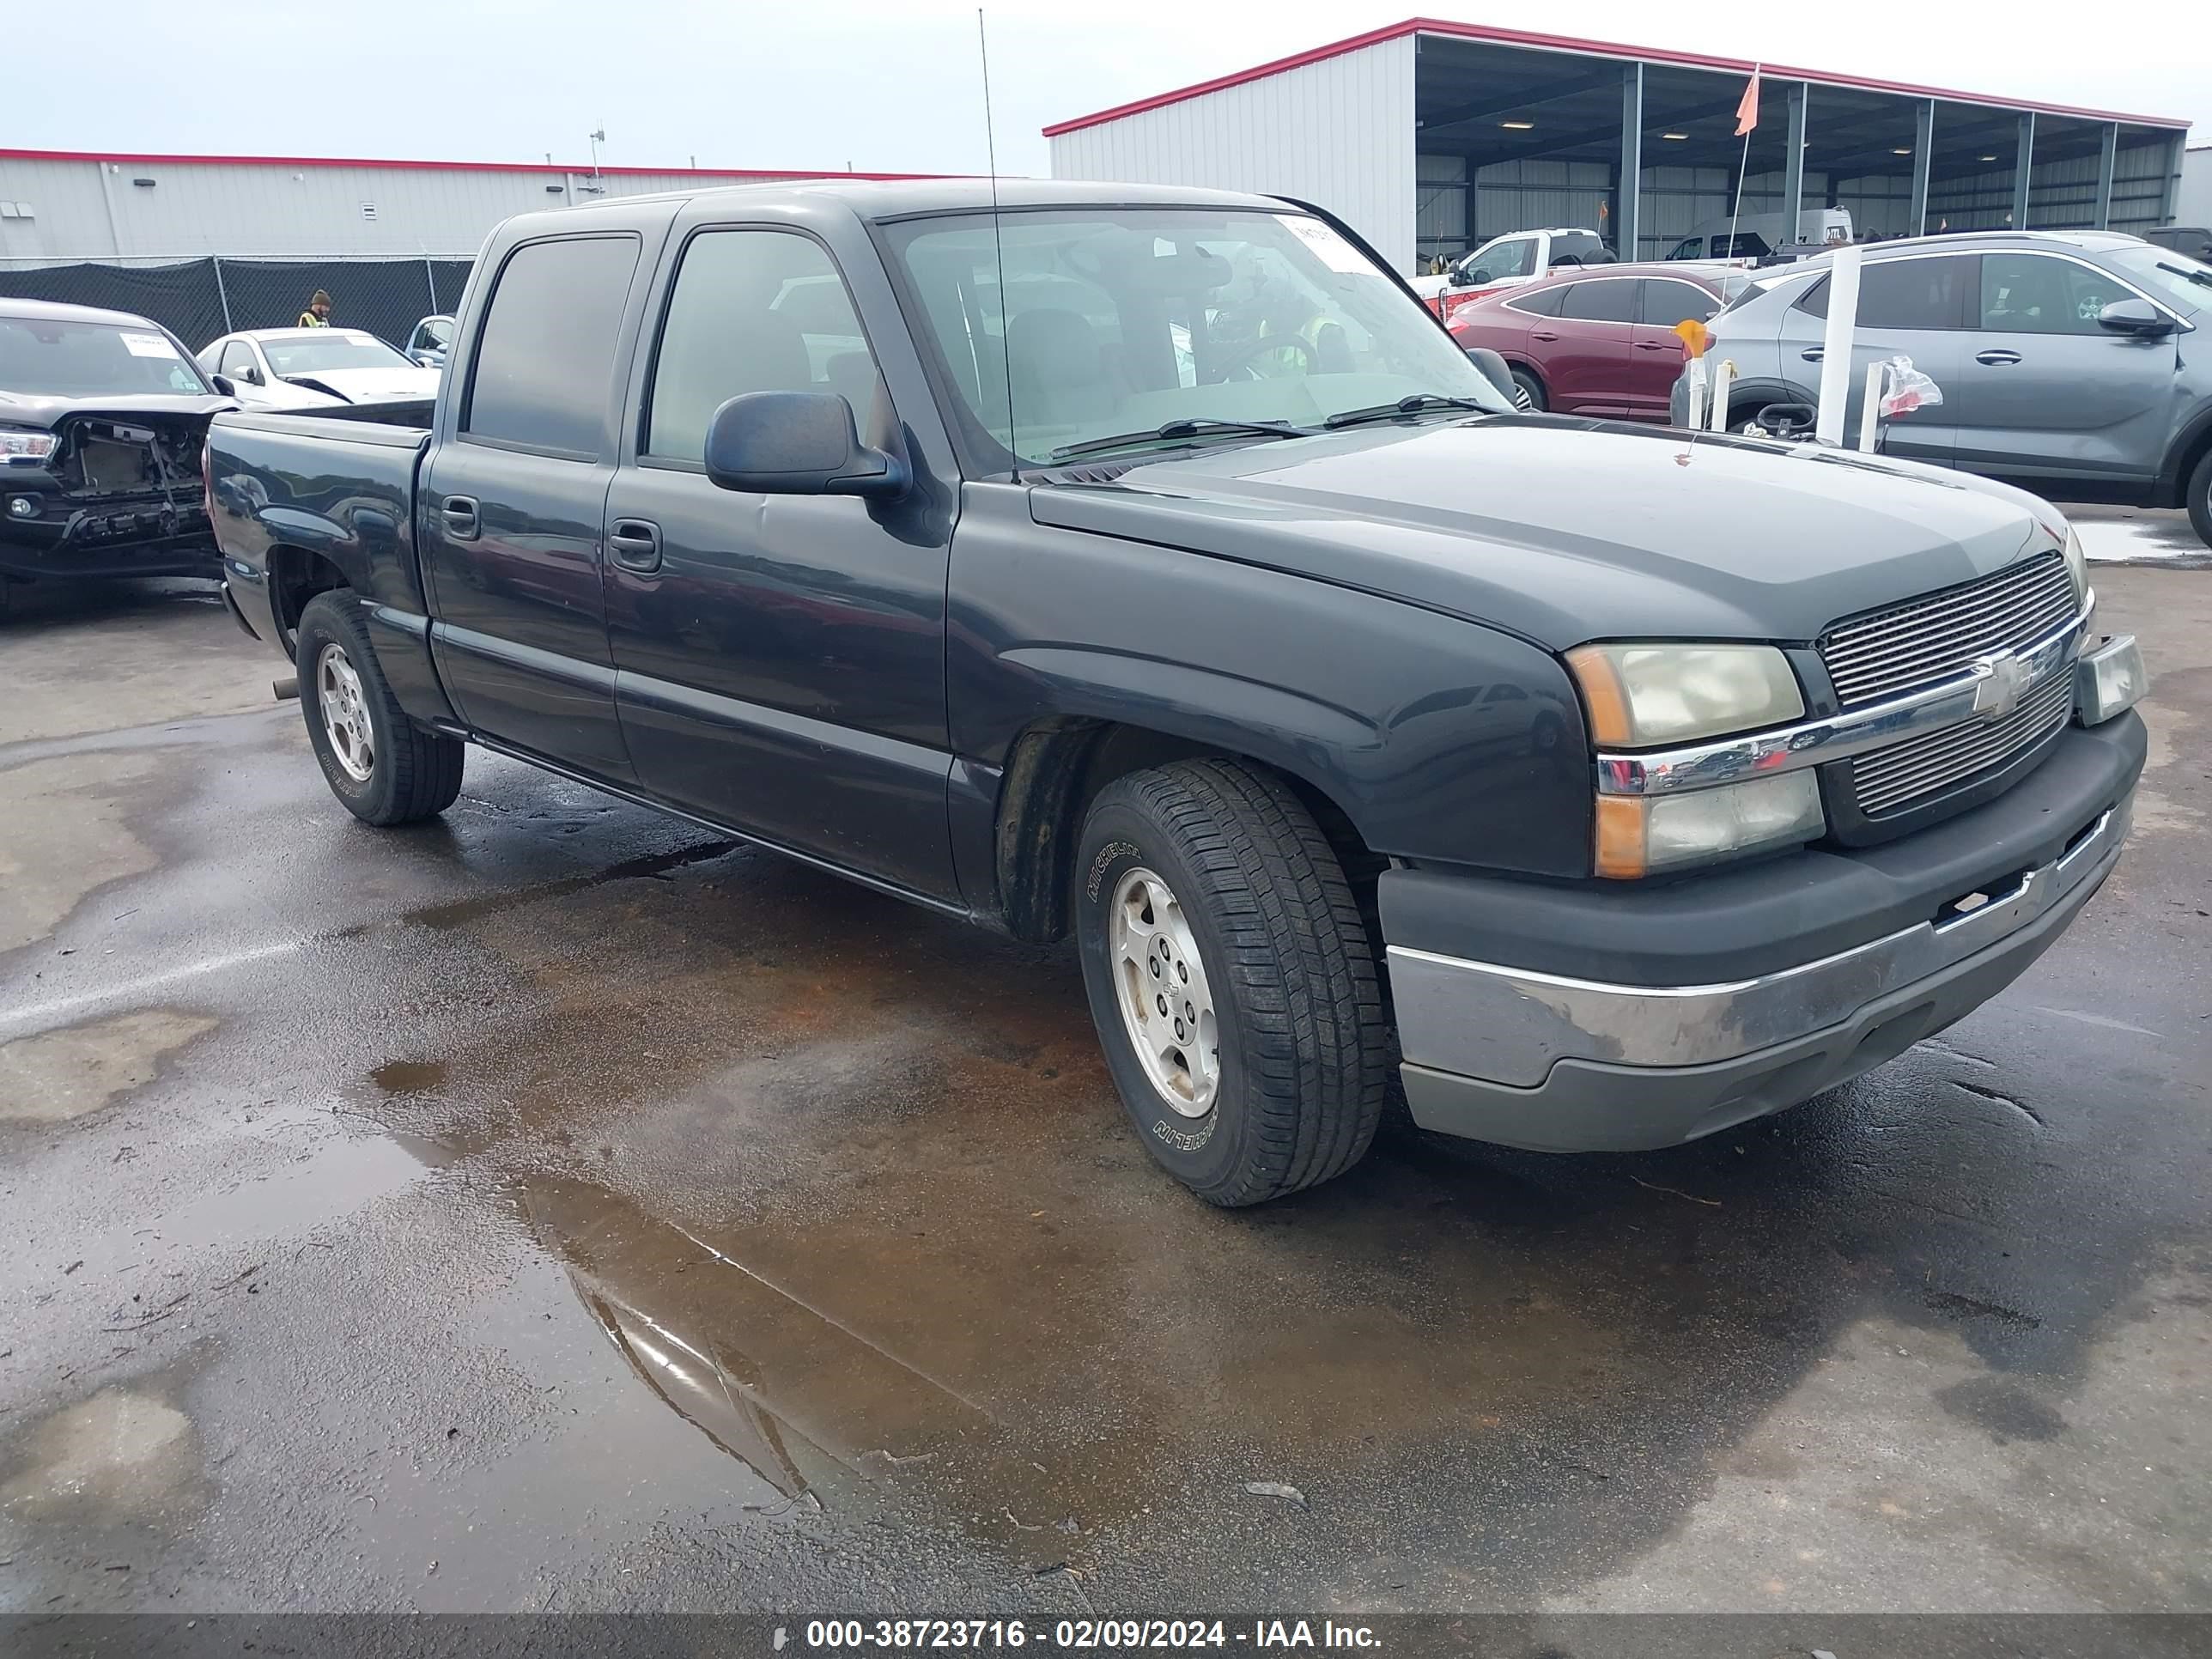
(558, 1207)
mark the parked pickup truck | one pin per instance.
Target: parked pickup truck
(1149, 566)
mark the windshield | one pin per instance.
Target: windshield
(44, 357)
(318, 353)
(2173, 277)
(1124, 321)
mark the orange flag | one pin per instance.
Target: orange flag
(1746, 111)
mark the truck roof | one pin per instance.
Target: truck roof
(900, 198)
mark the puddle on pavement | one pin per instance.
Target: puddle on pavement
(61, 1075)
(404, 1077)
(845, 1186)
(849, 1190)
(293, 1199)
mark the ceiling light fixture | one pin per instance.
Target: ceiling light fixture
(1517, 127)
(1676, 137)
(1989, 158)
(1900, 152)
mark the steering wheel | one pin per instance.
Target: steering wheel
(1241, 355)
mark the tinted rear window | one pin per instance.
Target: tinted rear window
(1905, 293)
(1611, 301)
(1667, 302)
(544, 361)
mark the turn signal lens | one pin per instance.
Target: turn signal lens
(1644, 835)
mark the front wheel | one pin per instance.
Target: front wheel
(383, 767)
(1231, 980)
(2200, 498)
(1531, 388)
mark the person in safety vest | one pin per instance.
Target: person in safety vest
(318, 313)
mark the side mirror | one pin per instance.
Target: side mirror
(797, 443)
(1495, 371)
(2135, 317)
(222, 385)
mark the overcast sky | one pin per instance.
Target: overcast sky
(893, 87)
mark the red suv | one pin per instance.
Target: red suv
(1600, 340)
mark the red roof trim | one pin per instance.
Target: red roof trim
(1595, 48)
(446, 167)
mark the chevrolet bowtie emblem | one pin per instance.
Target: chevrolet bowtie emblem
(2004, 677)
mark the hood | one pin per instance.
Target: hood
(25, 408)
(372, 385)
(1565, 531)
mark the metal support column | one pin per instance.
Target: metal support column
(1923, 159)
(1629, 192)
(2169, 202)
(221, 294)
(1792, 165)
(2107, 164)
(2020, 170)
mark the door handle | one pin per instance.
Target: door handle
(1996, 355)
(1546, 338)
(460, 513)
(1813, 354)
(1649, 346)
(635, 544)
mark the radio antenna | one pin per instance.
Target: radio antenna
(998, 247)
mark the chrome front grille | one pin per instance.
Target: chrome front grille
(1908, 648)
(1891, 779)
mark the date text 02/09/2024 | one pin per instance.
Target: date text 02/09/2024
(1120, 1634)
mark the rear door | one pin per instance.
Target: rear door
(1657, 353)
(1587, 347)
(2044, 393)
(509, 509)
(780, 658)
(1913, 307)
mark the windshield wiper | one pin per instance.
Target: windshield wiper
(2202, 278)
(1170, 430)
(1414, 405)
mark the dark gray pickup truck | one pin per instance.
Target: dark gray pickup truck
(1149, 566)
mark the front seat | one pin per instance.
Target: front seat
(1061, 377)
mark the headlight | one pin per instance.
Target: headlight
(1641, 695)
(2077, 566)
(1639, 835)
(15, 446)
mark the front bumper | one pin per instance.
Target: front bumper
(1548, 1058)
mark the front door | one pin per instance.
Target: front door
(1657, 354)
(2046, 395)
(1913, 306)
(509, 509)
(1587, 349)
(780, 658)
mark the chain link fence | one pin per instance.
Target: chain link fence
(200, 300)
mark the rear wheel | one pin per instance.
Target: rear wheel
(1231, 980)
(1527, 380)
(2200, 498)
(383, 767)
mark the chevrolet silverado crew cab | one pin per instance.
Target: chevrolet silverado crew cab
(1149, 566)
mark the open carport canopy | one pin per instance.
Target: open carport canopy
(1916, 157)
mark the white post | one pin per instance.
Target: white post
(1870, 417)
(1836, 345)
(1696, 421)
(1723, 387)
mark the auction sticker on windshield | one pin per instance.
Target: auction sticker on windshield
(147, 345)
(1333, 250)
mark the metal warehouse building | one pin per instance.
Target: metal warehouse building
(59, 206)
(1431, 137)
